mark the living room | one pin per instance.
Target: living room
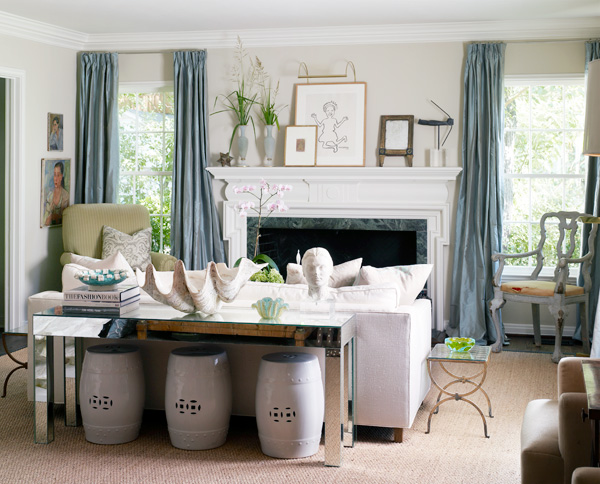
(404, 66)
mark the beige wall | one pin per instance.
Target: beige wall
(50, 86)
(400, 79)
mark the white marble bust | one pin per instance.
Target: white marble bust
(317, 267)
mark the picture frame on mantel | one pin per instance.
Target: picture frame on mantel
(396, 137)
(338, 110)
(300, 146)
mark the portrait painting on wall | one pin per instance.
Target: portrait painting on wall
(338, 110)
(55, 190)
(55, 132)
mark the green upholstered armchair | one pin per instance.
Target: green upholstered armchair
(82, 230)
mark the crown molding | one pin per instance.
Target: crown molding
(521, 30)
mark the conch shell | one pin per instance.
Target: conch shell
(197, 291)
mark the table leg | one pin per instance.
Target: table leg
(349, 435)
(334, 414)
(21, 364)
(72, 372)
(43, 415)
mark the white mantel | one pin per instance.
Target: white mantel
(362, 192)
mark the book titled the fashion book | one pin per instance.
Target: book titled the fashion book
(104, 311)
(120, 294)
(102, 304)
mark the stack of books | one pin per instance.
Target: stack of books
(114, 302)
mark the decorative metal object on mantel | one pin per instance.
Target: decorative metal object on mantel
(307, 76)
(197, 291)
(437, 155)
(396, 137)
(225, 159)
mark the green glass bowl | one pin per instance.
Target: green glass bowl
(459, 345)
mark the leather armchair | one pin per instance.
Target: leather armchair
(82, 230)
(554, 438)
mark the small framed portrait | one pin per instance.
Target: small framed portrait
(300, 146)
(55, 132)
(339, 112)
(396, 137)
(55, 192)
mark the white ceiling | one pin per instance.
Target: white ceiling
(94, 17)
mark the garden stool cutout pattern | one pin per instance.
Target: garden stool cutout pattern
(112, 394)
(198, 397)
(289, 405)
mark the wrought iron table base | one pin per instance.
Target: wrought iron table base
(21, 364)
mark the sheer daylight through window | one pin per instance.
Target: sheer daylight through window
(146, 129)
(544, 166)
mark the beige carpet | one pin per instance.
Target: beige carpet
(454, 452)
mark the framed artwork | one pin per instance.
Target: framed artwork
(300, 146)
(56, 176)
(55, 132)
(396, 137)
(339, 112)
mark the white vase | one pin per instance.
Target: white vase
(242, 145)
(269, 145)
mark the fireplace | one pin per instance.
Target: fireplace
(379, 242)
(415, 199)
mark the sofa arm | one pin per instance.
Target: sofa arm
(586, 475)
(163, 262)
(65, 258)
(570, 376)
(574, 435)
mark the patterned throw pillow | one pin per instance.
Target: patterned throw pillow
(409, 280)
(135, 248)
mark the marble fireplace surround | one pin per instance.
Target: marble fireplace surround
(420, 193)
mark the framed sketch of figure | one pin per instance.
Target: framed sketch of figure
(55, 132)
(55, 190)
(338, 110)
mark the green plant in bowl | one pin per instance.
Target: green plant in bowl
(459, 345)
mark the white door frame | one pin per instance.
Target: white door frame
(15, 304)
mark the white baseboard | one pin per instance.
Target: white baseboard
(527, 329)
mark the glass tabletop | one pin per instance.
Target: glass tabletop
(19, 330)
(476, 354)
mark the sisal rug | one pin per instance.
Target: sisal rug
(455, 451)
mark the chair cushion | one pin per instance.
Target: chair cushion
(537, 288)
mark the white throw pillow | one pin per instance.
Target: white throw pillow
(135, 248)
(344, 274)
(80, 262)
(409, 280)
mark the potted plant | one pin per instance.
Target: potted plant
(240, 101)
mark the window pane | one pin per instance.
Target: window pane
(167, 187)
(127, 112)
(546, 107)
(516, 152)
(546, 152)
(126, 189)
(151, 112)
(574, 195)
(150, 152)
(515, 240)
(516, 200)
(575, 161)
(148, 193)
(169, 111)
(516, 100)
(547, 196)
(169, 151)
(127, 149)
(166, 235)
(574, 107)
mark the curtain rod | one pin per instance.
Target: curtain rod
(533, 41)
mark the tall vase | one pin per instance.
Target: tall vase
(269, 145)
(242, 142)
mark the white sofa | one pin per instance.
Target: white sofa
(392, 347)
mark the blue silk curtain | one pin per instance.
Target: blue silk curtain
(97, 163)
(195, 231)
(592, 205)
(479, 211)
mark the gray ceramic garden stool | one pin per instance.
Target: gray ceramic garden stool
(198, 397)
(112, 394)
(289, 405)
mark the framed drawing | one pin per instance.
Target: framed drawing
(55, 190)
(300, 146)
(396, 137)
(55, 132)
(338, 111)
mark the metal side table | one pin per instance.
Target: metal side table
(479, 355)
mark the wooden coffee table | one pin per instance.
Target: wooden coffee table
(479, 355)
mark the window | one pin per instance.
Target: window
(544, 166)
(146, 135)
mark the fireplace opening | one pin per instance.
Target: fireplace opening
(380, 242)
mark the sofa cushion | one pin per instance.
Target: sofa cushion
(115, 261)
(344, 274)
(409, 280)
(135, 248)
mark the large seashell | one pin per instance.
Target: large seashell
(197, 291)
(270, 308)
